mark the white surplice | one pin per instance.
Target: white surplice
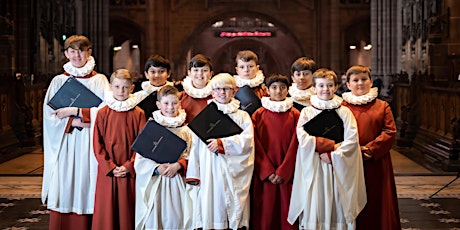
(163, 202)
(70, 166)
(221, 200)
(327, 196)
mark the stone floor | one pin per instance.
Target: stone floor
(22, 176)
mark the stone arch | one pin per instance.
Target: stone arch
(291, 48)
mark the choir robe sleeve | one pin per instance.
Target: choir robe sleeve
(286, 169)
(382, 144)
(264, 167)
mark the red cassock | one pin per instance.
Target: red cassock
(275, 152)
(115, 196)
(193, 106)
(377, 130)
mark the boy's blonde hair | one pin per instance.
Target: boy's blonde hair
(222, 80)
(167, 90)
(357, 69)
(122, 74)
(247, 55)
(325, 73)
(77, 42)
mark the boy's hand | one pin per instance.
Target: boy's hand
(325, 158)
(275, 179)
(120, 171)
(65, 112)
(213, 145)
(170, 170)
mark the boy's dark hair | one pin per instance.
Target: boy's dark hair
(157, 61)
(325, 73)
(302, 64)
(77, 42)
(167, 90)
(200, 60)
(276, 78)
(356, 69)
(247, 55)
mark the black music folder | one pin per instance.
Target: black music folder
(74, 94)
(213, 123)
(249, 101)
(327, 124)
(158, 143)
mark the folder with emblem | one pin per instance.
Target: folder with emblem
(74, 94)
(249, 101)
(213, 123)
(327, 124)
(158, 143)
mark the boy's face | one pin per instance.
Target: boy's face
(302, 78)
(169, 105)
(359, 84)
(223, 95)
(277, 91)
(121, 88)
(157, 75)
(78, 57)
(200, 76)
(246, 70)
(325, 88)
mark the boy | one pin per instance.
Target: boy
(276, 148)
(117, 126)
(248, 73)
(157, 71)
(69, 177)
(328, 189)
(301, 74)
(377, 131)
(161, 199)
(222, 168)
(197, 91)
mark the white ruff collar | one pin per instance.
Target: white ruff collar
(361, 100)
(230, 107)
(300, 95)
(195, 92)
(259, 79)
(149, 88)
(277, 106)
(120, 106)
(334, 103)
(82, 71)
(171, 122)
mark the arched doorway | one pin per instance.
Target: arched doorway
(221, 39)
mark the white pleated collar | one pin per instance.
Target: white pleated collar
(300, 96)
(120, 106)
(363, 99)
(256, 81)
(334, 103)
(277, 106)
(170, 122)
(230, 107)
(149, 88)
(81, 71)
(195, 92)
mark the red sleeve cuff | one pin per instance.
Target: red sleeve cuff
(192, 181)
(183, 163)
(69, 128)
(220, 149)
(86, 115)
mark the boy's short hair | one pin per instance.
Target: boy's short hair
(77, 42)
(276, 78)
(302, 64)
(167, 90)
(222, 80)
(157, 60)
(122, 74)
(325, 73)
(356, 69)
(200, 60)
(246, 55)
